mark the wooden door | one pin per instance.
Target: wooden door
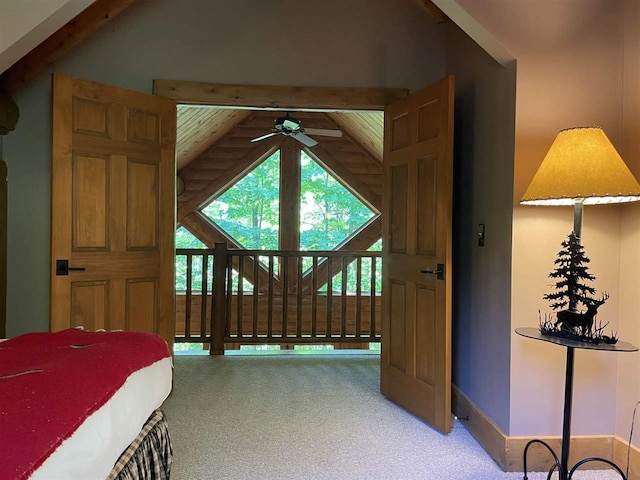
(416, 320)
(113, 209)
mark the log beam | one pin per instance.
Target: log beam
(433, 11)
(82, 26)
(284, 98)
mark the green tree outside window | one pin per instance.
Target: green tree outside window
(249, 212)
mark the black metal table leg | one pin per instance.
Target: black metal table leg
(562, 465)
(597, 459)
(555, 457)
(566, 425)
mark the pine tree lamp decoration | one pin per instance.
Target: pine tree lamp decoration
(582, 167)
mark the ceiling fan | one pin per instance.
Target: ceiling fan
(292, 127)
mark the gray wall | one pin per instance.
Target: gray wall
(355, 43)
(483, 190)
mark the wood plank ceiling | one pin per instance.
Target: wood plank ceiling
(200, 127)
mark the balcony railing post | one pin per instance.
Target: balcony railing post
(219, 310)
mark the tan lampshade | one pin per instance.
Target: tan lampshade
(582, 164)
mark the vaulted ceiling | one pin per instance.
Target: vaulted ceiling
(365, 127)
(202, 127)
(52, 47)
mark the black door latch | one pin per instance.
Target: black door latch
(438, 272)
(63, 268)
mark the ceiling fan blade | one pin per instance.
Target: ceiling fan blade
(323, 131)
(264, 136)
(302, 138)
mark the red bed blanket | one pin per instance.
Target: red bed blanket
(51, 382)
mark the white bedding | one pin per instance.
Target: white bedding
(93, 449)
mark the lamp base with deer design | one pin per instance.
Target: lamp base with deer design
(561, 465)
(571, 289)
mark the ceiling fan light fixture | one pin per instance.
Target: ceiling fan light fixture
(290, 124)
(292, 127)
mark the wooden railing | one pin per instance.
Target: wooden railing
(193, 315)
(277, 297)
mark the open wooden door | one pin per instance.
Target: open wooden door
(416, 319)
(112, 209)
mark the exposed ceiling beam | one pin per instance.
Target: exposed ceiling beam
(87, 22)
(469, 25)
(278, 97)
(434, 12)
(26, 23)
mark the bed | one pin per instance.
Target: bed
(84, 405)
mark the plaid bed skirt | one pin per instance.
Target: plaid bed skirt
(149, 455)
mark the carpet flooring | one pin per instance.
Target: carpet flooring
(305, 417)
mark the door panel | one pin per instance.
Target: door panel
(425, 336)
(398, 331)
(91, 117)
(142, 205)
(143, 126)
(398, 211)
(113, 208)
(90, 305)
(90, 202)
(399, 126)
(142, 299)
(416, 320)
(426, 205)
(427, 125)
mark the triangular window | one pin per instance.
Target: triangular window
(329, 213)
(249, 211)
(186, 239)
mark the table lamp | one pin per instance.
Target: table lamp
(582, 167)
